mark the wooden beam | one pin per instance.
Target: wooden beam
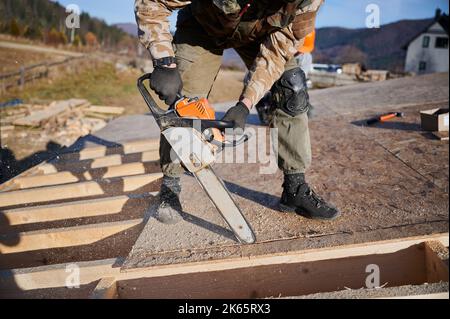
(140, 146)
(37, 118)
(105, 289)
(67, 210)
(123, 170)
(101, 162)
(435, 256)
(106, 109)
(441, 295)
(55, 275)
(64, 237)
(47, 180)
(11, 184)
(67, 177)
(101, 151)
(76, 190)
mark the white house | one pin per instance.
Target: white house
(428, 51)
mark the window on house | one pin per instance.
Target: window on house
(441, 43)
(422, 66)
(426, 42)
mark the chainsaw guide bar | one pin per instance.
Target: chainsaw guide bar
(196, 137)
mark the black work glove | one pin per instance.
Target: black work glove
(237, 114)
(166, 82)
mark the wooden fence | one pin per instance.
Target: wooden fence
(30, 73)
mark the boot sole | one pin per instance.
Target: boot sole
(289, 209)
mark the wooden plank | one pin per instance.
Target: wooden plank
(124, 170)
(60, 178)
(282, 280)
(65, 237)
(5, 128)
(98, 116)
(442, 295)
(50, 193)
(101, 151)
(443, 136)
(435, 256)
(11, 184)
(75, 190)
(68, 210)
(100, 162)
(140, 146)
(105, 289)
(55, 275)
(106, 109)
(36, 118)
(47, 180)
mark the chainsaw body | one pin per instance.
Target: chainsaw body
(197, 137)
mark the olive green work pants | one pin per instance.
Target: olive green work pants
(199, 63)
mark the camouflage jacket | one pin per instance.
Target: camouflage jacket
(279, 25)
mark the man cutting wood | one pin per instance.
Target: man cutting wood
(266, 34)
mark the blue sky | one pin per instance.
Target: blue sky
(343, 13)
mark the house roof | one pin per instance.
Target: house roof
(440, 18)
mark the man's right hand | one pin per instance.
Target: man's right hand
(166, 82)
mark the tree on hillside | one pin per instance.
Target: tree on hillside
(91, 39)
(40, 16)
(350, 54)
(77, 41)
(33, 32)
(14, 28)
(63, 37)
(53, 37)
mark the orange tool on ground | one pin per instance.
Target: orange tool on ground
(385, 118)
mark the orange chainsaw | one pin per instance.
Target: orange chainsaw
(197, 137)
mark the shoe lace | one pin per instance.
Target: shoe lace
(319, 201)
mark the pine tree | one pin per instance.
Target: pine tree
(53, 37)
(62, 38)
(77, 41)
(14, 28)
(91, 39)
(33, 32)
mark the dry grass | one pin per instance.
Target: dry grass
(101, 85)
(12, 60)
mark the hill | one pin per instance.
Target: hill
(45, 20)
(376, 48)
(129, 28)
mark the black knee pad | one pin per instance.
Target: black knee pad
(290, 92)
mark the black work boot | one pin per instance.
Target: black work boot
(169, 208)
(300, 198)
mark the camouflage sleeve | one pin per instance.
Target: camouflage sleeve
(277, 50)
(152, 17)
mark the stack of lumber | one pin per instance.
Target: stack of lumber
(65, 120)
(38, 118)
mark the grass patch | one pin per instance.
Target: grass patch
(99, 85)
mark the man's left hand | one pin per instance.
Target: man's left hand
(238, 115)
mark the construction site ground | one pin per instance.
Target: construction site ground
(390, 181)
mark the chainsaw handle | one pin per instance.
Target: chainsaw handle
(167, 118)
(232, 143)
(154, 108)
